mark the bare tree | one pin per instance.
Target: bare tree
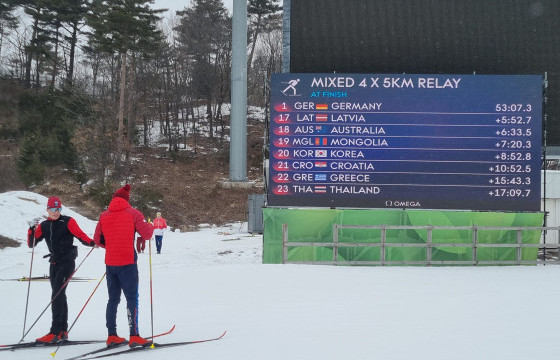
(268, 61)
(18, 40)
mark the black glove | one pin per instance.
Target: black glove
(90, 244)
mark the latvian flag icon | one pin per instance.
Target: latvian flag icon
(322, 107)
(321, 117)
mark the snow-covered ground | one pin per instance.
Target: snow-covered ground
(212, 280)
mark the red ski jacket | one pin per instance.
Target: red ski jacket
(115, 232)
(159, 223)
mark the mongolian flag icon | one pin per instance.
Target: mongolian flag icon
(321, 117)
(321, 141)
(322, 107)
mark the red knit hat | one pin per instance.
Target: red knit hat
(54, 202)
(123, 192)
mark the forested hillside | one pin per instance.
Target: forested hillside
(85, 85)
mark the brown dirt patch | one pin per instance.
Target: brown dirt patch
(7, 242)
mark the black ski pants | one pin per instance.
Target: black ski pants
(59, 273)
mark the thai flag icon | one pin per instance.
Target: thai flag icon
(321, 189)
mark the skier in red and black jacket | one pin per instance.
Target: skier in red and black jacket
(115, 232)
(58, 231)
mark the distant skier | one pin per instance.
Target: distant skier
(159, 227)
(115, 232)
(58, 231)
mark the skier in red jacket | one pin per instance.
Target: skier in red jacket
(115, 232)
(58, 231)
(159, 227)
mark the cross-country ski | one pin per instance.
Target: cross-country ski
(35, 344)
(148, 347)
(45, 278)
(114, 346)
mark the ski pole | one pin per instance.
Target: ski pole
(54, 297)
(28, 286)
(151, 296)
(80, 313)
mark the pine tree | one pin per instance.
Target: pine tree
(47, 123)
(7, 17)
(204, 35)
(35, 49)
(260, 10)
(67, 16)
(123, 27)
(8, 20)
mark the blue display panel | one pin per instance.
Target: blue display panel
(406, 141)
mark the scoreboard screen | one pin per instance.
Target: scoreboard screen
(406, 141)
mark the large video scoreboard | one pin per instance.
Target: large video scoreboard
(406, 141)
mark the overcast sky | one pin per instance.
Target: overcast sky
(175, 5)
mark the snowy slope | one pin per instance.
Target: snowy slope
(213, 280)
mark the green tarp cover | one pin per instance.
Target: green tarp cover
(316, 225)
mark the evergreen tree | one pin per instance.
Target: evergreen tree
(66, 18)
(204, 36)
(7, 19)
(55, 24)
(47, 122)
(259, 11)
(31, 169)
(51, 29)
(123, 27)
(35, 49)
